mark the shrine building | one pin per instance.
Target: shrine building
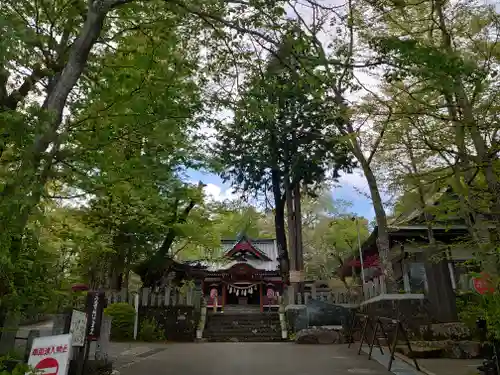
(248, 276)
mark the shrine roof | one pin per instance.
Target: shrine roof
(263, 266)
(260, 253)
(263, 249)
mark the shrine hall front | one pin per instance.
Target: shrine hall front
(249, 275)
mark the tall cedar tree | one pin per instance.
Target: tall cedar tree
(283, 134)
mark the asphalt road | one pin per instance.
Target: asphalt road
(251, 359)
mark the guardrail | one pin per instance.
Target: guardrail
(379, 324)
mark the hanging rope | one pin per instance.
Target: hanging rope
(242, 290)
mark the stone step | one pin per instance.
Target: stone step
(243, 316)
(242, 324)
(235, 326)
(252, 321)
(226, 331)
(245, 339)
(241, 334)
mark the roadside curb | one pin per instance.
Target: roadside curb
(409, 361)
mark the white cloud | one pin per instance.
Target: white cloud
(354, 181)
(216, 193)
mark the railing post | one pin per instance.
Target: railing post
(136, 320)
(314, 292)
(383, 284)
(377, 286)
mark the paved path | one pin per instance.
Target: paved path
(251, 359)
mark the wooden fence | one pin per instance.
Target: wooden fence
(167, 296)
(374, 287)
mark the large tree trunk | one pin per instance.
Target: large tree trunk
(440, 292)
(383, 242)
(292, 238)
(279, 224)
(279, 214)
(298, 232)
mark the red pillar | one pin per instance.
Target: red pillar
(261, 298)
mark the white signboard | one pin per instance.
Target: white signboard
(50, 355)
(296, 276)
(78, 327)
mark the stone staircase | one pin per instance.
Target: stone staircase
(242, 325)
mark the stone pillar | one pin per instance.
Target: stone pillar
(62, 323)
(406, 277)
(34, 333)
(102, 344)
(8, 332)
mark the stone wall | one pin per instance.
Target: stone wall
(178, 323)
(315, 314)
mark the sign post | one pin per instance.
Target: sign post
(78, 327)
(94, 310)
(51, 354)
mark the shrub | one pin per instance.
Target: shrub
(8, 366)
(150, 332)
(122, 325)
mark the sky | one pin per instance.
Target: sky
(351, 188)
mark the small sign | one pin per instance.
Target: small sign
(94, 309)
(296, 276)
(482, 284)
(50, 354)
(78, 327)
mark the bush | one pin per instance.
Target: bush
(8, 366)
(150, 332)
(122, 325)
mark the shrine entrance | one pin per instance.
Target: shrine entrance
(243, 293)
(251, 278)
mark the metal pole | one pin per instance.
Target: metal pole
(360, 256)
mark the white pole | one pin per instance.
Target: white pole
(360, 256)
(136, 321)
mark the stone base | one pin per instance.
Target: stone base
(442, 349)
(323, 335)
(296, 317)
(445, 331)
(323, 313)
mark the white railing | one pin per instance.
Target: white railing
(353, 296)
(374, 288)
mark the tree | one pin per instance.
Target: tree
(272, 144)
(436, 95)
(54, 57)
(330, 236)
(461, 106)
(335, 64)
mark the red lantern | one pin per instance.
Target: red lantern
(270, 293)
(79, 288)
